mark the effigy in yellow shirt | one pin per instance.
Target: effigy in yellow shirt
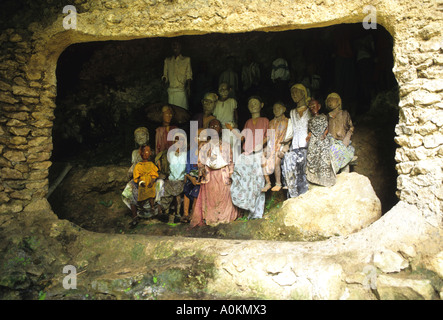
(145, 171)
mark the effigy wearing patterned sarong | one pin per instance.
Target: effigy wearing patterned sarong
(247, 183)
(294, 171)
(319, 169)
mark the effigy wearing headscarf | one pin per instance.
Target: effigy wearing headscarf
(334, 95)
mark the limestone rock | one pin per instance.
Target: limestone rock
(24, 91)
(15, 156)
(389, 261)
(348, 206)
(38, 205)
(436, 264)
(400, 288)
(286, 278)
(100, 179)
(11, 208)
(8, 173)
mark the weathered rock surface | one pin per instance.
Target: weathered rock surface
(389, 261)
(30, 50)
(348, 206)
(401, 288)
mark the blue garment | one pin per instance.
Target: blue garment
(191, 191)
(190, 167)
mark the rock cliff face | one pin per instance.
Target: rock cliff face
(33, 38)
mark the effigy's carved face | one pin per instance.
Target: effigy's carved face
(223, 90)
(333, 103)
(215, 124)
(314, 107)
(146, 152)
(208, 103)
(254, 106)
(297, 94)
(278, 110)
(167, 115)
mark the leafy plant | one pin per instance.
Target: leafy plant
(107, 204)
(41, 295)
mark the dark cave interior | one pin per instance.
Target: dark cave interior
(105, 88)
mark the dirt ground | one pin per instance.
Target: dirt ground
(99, 208)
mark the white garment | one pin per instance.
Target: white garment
(177, 70)
(280, 70)
(224, 111)
(212, 156)
(298, 128)
(177, 96)
(177, 165)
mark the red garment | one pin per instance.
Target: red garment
(161, 139)
(256, 134)
(214, 204)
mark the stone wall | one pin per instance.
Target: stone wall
(419, 132)
(30, 49)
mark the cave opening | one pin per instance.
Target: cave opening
(105, 88)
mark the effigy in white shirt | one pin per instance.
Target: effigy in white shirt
(177, 70)
(298, 128)
(177, 165)
(224, 111)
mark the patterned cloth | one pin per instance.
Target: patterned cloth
(294, 162)
(247, 183)
(294, 171)
(172, 188)
(214, 204)
(130, 194)
(191, 191)
(174, 185)
(341, 155)
(319, 169)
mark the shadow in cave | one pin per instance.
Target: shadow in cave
(104, 88)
